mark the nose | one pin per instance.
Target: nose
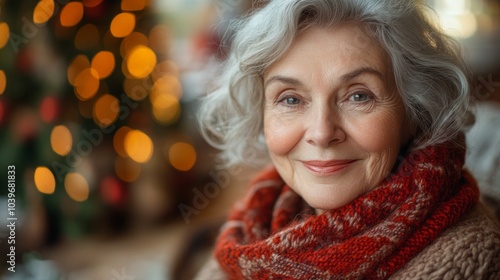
(324, 128)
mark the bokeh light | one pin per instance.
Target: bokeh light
(61, 140)
(131, 41)
(4, 34)
(135, 89)
(138, 146)
(104, 63)
(167, 84)
(44, 180)
(166, 67)
(166, 108)
(87, 37)
(77, 65)
(106, 110)
(87, 84)
(3, 82)
(122, 25)
(133, 5)
(182, 156)
(112, 190)
(44, 10)
(141, 61)
(49, 109)
(119, 140)
(71, 14)
(127, 170)
(76, 187)
(159, 39)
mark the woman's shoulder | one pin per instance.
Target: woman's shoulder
(470, 249)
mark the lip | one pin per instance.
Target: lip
(324, 168)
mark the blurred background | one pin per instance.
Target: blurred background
(98, 103)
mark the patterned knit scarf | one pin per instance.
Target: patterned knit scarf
(273, 234)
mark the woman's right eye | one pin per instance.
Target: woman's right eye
(290, 101)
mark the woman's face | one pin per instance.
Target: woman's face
(333, 120)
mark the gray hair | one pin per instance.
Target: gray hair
(430, 75)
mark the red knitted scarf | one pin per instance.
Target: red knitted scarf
(273, 234)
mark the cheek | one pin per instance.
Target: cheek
(381, 137)
(281, 135)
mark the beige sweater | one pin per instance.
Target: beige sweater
(469, 249)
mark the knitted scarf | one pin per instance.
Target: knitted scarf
(273, 234)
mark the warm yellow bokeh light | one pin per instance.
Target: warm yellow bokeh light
(3, 82)
(127, 169)
(119, 140)
(166, 67)
(79, 63)
(136, 89)
(167, 84)
(104, 63)
(122, 25)
(133, 5)
(44, 180)
(87, 37)
(4, 34)
(166, 108)
(138, 146)
(182, 156)
(86, 84)
(141, 62)
(106, 110)
(159, 39)
(91, 3)
(61, 140)
(131, 41)
(76, 187)
(71, 14)
(44, 10)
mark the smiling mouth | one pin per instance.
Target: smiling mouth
(327, 167)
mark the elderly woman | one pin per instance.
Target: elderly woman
(360, 106)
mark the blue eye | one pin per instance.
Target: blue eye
(292, 101)
(359, 97)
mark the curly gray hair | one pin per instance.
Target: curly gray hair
(430, 74)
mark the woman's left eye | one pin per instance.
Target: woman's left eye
(359, 97)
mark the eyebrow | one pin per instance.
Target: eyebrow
(344, 78)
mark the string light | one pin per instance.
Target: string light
(135, 89)
(106, 110)
(166, 108)
(4, 34)
(127, 169)
(71, 14)
(49, 109)
(61, 140)
(138, 146)
(182, 156)
(86, 84)
(44, 10)
(104, 63)
(77, 65)
(122, 25)
(44, 180)
(141, 62)
(131, 41)
(76, 187)
(119, 140)
(87, 37)
(3, 82)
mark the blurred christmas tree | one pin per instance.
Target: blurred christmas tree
(90, 116)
